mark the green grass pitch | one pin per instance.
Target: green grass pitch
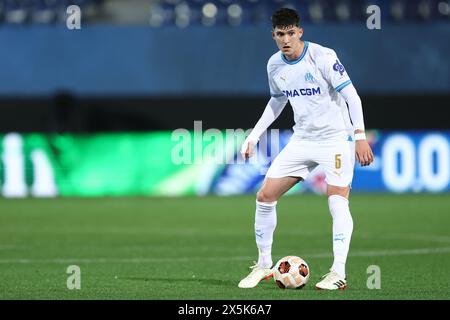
(199, 248)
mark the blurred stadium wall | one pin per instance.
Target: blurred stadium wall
(90, 111)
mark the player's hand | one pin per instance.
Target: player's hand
(364, 154)
(247, 148)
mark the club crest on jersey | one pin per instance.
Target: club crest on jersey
(339, 67)
(309, 77)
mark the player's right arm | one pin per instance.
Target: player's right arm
(270, 114)
(273, 109)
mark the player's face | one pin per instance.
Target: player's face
(288, 40)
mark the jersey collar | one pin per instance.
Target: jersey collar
(305, 48)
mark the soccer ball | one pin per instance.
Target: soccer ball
(291, 272)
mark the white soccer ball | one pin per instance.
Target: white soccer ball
(291, 272)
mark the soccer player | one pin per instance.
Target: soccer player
(327, 132)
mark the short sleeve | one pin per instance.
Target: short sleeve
(334, 72)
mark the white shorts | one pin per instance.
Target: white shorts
(299, 158)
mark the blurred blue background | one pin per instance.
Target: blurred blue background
(155, 66)
(179, 48)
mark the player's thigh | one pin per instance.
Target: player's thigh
(293, 161)
(338, 164)
(273, 188)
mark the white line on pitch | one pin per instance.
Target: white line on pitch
(365, 253)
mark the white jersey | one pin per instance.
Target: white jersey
(312, 84)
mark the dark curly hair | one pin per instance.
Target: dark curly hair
(285, 17)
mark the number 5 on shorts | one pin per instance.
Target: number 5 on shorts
(337, 161)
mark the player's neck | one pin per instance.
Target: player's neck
(297, 53)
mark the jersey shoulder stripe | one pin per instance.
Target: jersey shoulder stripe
(343, 85)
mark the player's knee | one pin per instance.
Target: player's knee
(264, 196)
(338, 191)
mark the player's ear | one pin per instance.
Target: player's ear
(273, 35)
(300, 32)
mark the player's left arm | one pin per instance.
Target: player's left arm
(335, 73)
(364, 154)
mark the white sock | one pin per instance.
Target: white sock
(342, 231)
(265, 223)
